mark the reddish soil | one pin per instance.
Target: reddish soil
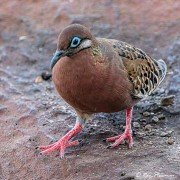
(33, 114)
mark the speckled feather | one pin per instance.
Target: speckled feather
(144, 72)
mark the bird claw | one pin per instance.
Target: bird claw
(61, 145)
(119, 139)
(130, 146)
(113, 138)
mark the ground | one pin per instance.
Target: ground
(33, 114)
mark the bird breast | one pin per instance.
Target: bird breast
(92, 84)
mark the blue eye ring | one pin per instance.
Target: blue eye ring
(75, 42)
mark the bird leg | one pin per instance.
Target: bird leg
(63, 143)
(127, 133)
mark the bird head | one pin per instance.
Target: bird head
(71, 41)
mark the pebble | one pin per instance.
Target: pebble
(148, 127)
(155, 119)
(150, 143)
(161, 116)
(166, 134)
(146, 113)
(21, 38)
(123, 173)
(121, 126)
(124, 127)
(51, 121)
(142, 120)
(46, 75)
(39, 79)
(170, 141)
(40, 49)
(158, 91)
(150, 133)
(166, 101)
(161, 90)
(136, 125)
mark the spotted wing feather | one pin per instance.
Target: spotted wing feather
(144, 72)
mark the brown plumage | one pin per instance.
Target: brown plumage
(101, 75)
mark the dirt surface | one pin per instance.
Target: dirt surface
(32, 113)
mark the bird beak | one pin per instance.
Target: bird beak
(56, 58)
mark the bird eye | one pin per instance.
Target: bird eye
(75, 42)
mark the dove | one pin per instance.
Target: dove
(96, 75)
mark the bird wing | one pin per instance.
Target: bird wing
(144, 72)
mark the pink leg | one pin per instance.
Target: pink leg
(127, 133)
(63, 143)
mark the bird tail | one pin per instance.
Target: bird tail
(162, 69)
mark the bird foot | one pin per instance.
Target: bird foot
(119, 139)
(61, 145)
